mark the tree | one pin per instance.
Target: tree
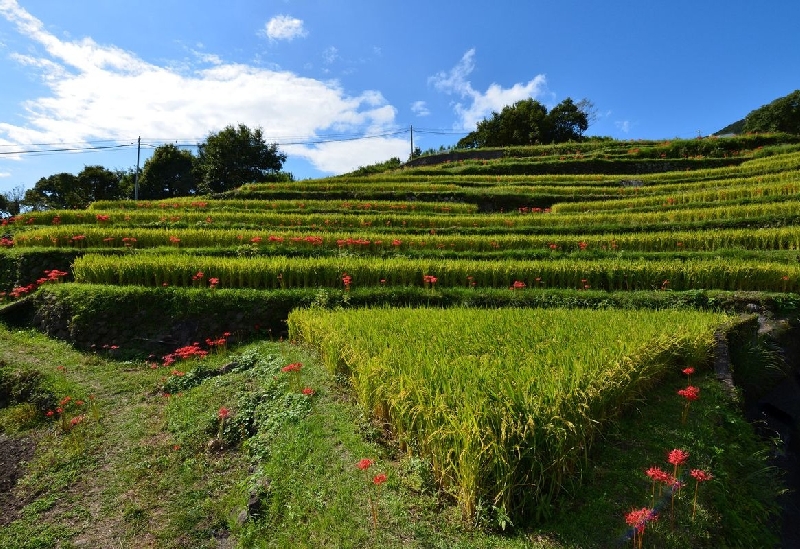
(567, 122)
(68, 191)
(170, 172)
(235, 156)
(11, 201)
(527, 122)
(782, 115)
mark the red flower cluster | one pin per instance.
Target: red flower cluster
(517, 285)
(690, 393)
(364, 464)
(638, 518)
(293, 367)
(185, 353)
(429, 279)
(701, 476)
(223, 413)
(658, 475)
(6, 242)
(677, 457)
(379, 479)
(102, 218)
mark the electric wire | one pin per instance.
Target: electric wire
(97, 145)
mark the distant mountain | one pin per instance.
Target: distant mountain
(782, 115)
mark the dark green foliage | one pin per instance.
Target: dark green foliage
(379, 167)
(67, 191)
(235, 156)
(527, 122)
(781, 115)
(170, 172)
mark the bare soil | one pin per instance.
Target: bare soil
(14, 454)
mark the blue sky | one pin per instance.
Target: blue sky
(338, 84)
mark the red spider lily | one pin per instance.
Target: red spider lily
(223, 413)
(657, 475)
(637, 519)
(677, 457)
(429, 279)
(518, 285)
(308, 391)
(364, 464)
(293, 367)
(690, 393)
(688, 371)
(701, 476)
(213, 282)
(379, 479)
(347, 279)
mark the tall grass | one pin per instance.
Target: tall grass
(505, 403)
(284, 272)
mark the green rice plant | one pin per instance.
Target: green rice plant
(777, 213)
(193, 204)
(284, 272)
(366, 241)
(507, 416)
(762, 188)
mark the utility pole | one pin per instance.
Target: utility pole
(136, 175)
(412, 143)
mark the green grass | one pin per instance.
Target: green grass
(142, 474)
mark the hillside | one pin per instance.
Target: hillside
(514, 341)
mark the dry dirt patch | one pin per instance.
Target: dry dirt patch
(14, 454)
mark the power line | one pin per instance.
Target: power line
(95, 145)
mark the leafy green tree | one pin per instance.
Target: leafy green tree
(527, 122)
(68, 191)
(781, 115)
(170, 172)
(235, 156)
(567, 122)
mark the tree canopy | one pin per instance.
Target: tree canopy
(235, 156)
(170, 172)
(781, 115)
(68, 191)
(528, 122)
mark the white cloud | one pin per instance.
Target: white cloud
(420, 108)
(479, 105)
(623, 125)
(5, 174)
(103, 92)
(330, 54)
(284, 27)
